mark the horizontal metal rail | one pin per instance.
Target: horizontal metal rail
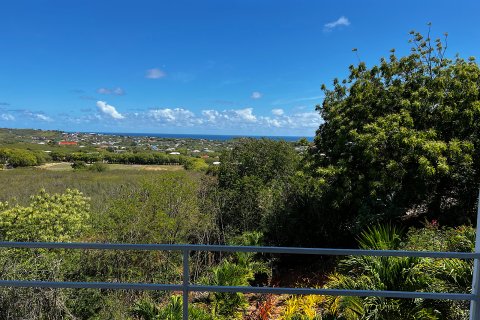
(220, 248)
(185, 287)
(233, 289)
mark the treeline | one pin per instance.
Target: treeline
(26, 158)
(22, 157)
(121, 158)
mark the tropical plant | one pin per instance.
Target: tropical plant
(237, 270)
(399, 274)
(172, 310)
(302, 308)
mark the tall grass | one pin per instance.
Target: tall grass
(19, 184)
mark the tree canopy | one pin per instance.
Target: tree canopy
(400, 139)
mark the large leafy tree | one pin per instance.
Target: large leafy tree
(250, 177)
(401, 139)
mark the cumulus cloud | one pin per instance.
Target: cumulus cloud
(302, 120)
(246, 114)
(6, 117)
(277, 112)
(115, 91)
(109, 110)
(256, 95)
(342, 21)
(242, 119)
(155, 73)
(180, 115)
(211, 115)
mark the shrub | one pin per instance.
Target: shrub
(79, 165)
(98, 167)
(404, 274)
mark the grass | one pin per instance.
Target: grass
(66, 166)
(101, 187)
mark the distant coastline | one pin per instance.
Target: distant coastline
(201, 136)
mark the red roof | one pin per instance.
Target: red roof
(68, 143)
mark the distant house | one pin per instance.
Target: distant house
(176, 153)
(216, 163)
(67, 143)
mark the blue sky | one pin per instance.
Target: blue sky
(217, 67)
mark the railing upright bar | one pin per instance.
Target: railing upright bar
(475, 302)
(186, 282)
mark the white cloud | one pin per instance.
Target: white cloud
(243, 120)
(155, 73)
(342, 21)
(179, 115)
(109, 110)
(116, 91)
(246, 114)
(211, 115)
(6, 117)
(256, 95)
(302, 120)
(277, 112)
(273, 122)
(37, 116)
(42, 117)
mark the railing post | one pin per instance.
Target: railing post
(186, 282)
(475, 303)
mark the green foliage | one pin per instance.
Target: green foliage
(98, 167)
(161, 209)
(302, 308)
(47, 218)
(79, 165)
(403, 274)
(248, 177)
(147, 310)
(57, 217)
(399, 141)
(21, 157)
(195, 164)
(237, 270)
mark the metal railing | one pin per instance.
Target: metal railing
(187, 287)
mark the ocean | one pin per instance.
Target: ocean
(203, 136)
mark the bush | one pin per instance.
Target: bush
(404, 274)
(79, 165)
(98, 167)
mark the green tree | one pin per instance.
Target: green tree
(248, 176)
(19, 157)
(57, 217)
(400, 140)
(48, 217)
